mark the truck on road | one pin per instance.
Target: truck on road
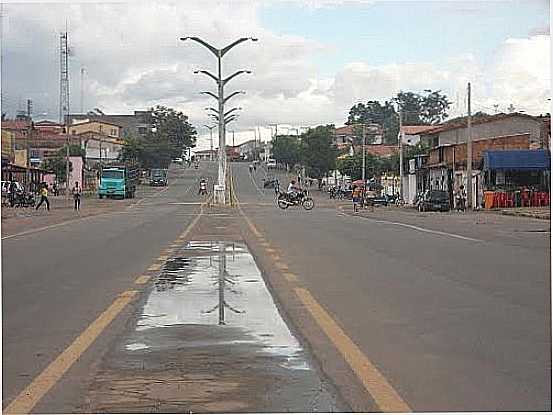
(118, 182)
(158, 177)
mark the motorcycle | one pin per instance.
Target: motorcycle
(203, 189)
(301, 198)
(24, 199)
(460, 203)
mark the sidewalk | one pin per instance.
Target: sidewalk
(16, 220)
(528, 212)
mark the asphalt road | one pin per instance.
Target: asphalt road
(454, 310)
(56, 282)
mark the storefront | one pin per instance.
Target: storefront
(515, 178)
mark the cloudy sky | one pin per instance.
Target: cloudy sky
(313, 61)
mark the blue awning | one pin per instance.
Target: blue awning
(517, 160)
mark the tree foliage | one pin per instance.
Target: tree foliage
(170, 136)
(417, 109)
(286, 149)
(318, 153)
(58, 163)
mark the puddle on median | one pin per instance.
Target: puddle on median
(218, 285)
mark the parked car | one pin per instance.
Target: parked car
(434, 200)
(378, 200)
(271, 164)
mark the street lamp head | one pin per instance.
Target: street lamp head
(196, 71)
(185, 38)
(248, 72)
(254, 39)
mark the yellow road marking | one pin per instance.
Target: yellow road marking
(154, 267)
(143, 279)
(270, 250)
(29, 397)
(281, 265)
(265, 244)
(290, 277)
(162, 258)
(385, 396)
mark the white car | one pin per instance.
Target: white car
(271, 163)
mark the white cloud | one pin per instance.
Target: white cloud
(135, 60)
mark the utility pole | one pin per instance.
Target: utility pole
(400, 137)
(82, 90)
(233, 139)
(469, 151)
(210, 128)
(29, 132)
(255, 143)
(364, 155)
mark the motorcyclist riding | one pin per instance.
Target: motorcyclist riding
(203, 187)
(292, 190)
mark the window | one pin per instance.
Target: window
(112, 174)
(142, 130)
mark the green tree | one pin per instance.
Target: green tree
(352, 166)
(171, 135)
(373, 112)
(57, 164)
(434, 107)
(286, 149)
(318, 154)
(173, 127)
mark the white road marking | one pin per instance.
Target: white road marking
(418, 228)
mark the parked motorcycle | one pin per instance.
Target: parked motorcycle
(24, 199)
(301, 198)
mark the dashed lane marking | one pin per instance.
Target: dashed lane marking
(143, 279)
(383, 393)
(29, 397)
(290, 277)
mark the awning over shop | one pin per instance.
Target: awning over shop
(526, 160)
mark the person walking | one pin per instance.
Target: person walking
(356, 198)
(44, 197)
(77, 191)
(12, 190)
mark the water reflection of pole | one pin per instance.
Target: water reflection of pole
(222, 271)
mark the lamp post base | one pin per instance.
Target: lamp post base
(219, 194)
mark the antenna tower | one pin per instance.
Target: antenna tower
(64, 77)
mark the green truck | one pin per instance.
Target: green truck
(118, 182)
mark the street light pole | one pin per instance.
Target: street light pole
(219, 193)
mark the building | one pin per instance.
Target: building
(100, 147)
(105, 128)
(446, 164)
(344, 136)
(8, 146)
(205, 155)
(499, 125)
(139, 123)
(411, 133)
(49, 127)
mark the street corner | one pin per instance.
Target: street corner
(208, 337)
